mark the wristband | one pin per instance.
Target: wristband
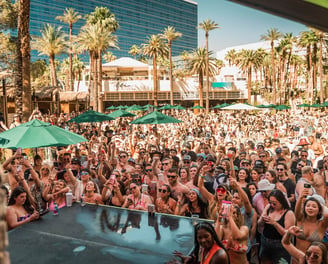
(203, 176)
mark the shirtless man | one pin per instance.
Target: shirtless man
(176, 187)
(315, 146)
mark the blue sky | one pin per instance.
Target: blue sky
(239, 24)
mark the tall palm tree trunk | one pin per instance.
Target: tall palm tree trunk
(321, 70)
(90, 92)
(201, 84)
(171, 74)
(53, 78)
(95, 82)
(71, 80)
(99, 82)
(207, 77)
(155, 80)
(249, 84)
(273, 74)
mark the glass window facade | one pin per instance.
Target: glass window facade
(138, 19)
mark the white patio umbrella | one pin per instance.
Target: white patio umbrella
(240, 107)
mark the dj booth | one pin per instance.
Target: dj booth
(98, 234)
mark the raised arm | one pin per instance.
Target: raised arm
(291, 249)
(237, 233)
(298, 207)
(204, 192)
(243, 196)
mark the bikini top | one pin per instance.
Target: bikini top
(311, 238)
(236, 247)
(22, 218)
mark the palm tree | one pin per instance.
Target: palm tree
(207, 25)
(197, 64)
(170, 35)
(154, 48)
(50, 43)
(70, 17)
(185, 56)
(219, 64)
(134, 51)
(95, 40)
(249, 60)
(272, 35)
(106, 24)
(109, 56)
(231, 57)
(23, 91)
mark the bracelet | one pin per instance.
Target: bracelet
(203, 176)
(106, 187)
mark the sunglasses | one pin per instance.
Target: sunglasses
(262, 156)
(122, 156)
(186, 161)
(67, 159)
(133, 188)
(171, 176)
(84, 173)
(300, 165)
(245, 164)
(280, 169)
(310, 253)
(221, 190)
(45, 169)
(165, 164)
(162, 190)
(74, 163)
(304, 155)
(148, 170)
(142, 152)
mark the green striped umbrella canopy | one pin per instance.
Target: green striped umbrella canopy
(111, 107)
(155, 118)
(282, 107)
(90, 116)
(324, 104)
(261, 106)
(121, 113)
(271, 106)
(221, 105)
(303, 105)
(197, 107)
(134, 108)
(316, 105)
(179, 107)
(166, 107)
(37, 134)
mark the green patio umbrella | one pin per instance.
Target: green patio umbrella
(166, 107)
(316, 105)
(282, 107)
(303, 105)
(221, 105)
(261, 106)
(271, 106)
(155, 118)
(36, 134)
(121, 113)
(197, 107)
(179, 107)
(89, 117)
(325, 104)
(111, 107)
(134, 108)
(122, 107)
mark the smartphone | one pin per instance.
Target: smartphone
(225, 208)
(307, 185)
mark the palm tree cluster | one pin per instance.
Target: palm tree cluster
(95, 37)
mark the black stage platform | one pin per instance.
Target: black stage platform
(100, 234)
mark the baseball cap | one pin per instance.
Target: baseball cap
(278, 150)
(259, 164)
(186, 157)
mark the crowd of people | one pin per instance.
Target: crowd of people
(262, 178)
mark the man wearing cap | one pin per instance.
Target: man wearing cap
(259, 166)
(186, 161)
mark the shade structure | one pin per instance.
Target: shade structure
(155, 118)
(261, 106)
(303, 105)
(197, 107)
(36, 134)
(179, 107)
(240, 107)
(134, 108)
(122, 107)
(221, 105)
(271, 106)
(282, 107)
(111, 107)
(90, 116)
(316, 105)
(147, 106)
(121, 113)
(166, 107)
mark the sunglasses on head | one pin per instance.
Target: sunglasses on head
(220, 190)
(314, 255)
(162, 190)
(148, 170)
